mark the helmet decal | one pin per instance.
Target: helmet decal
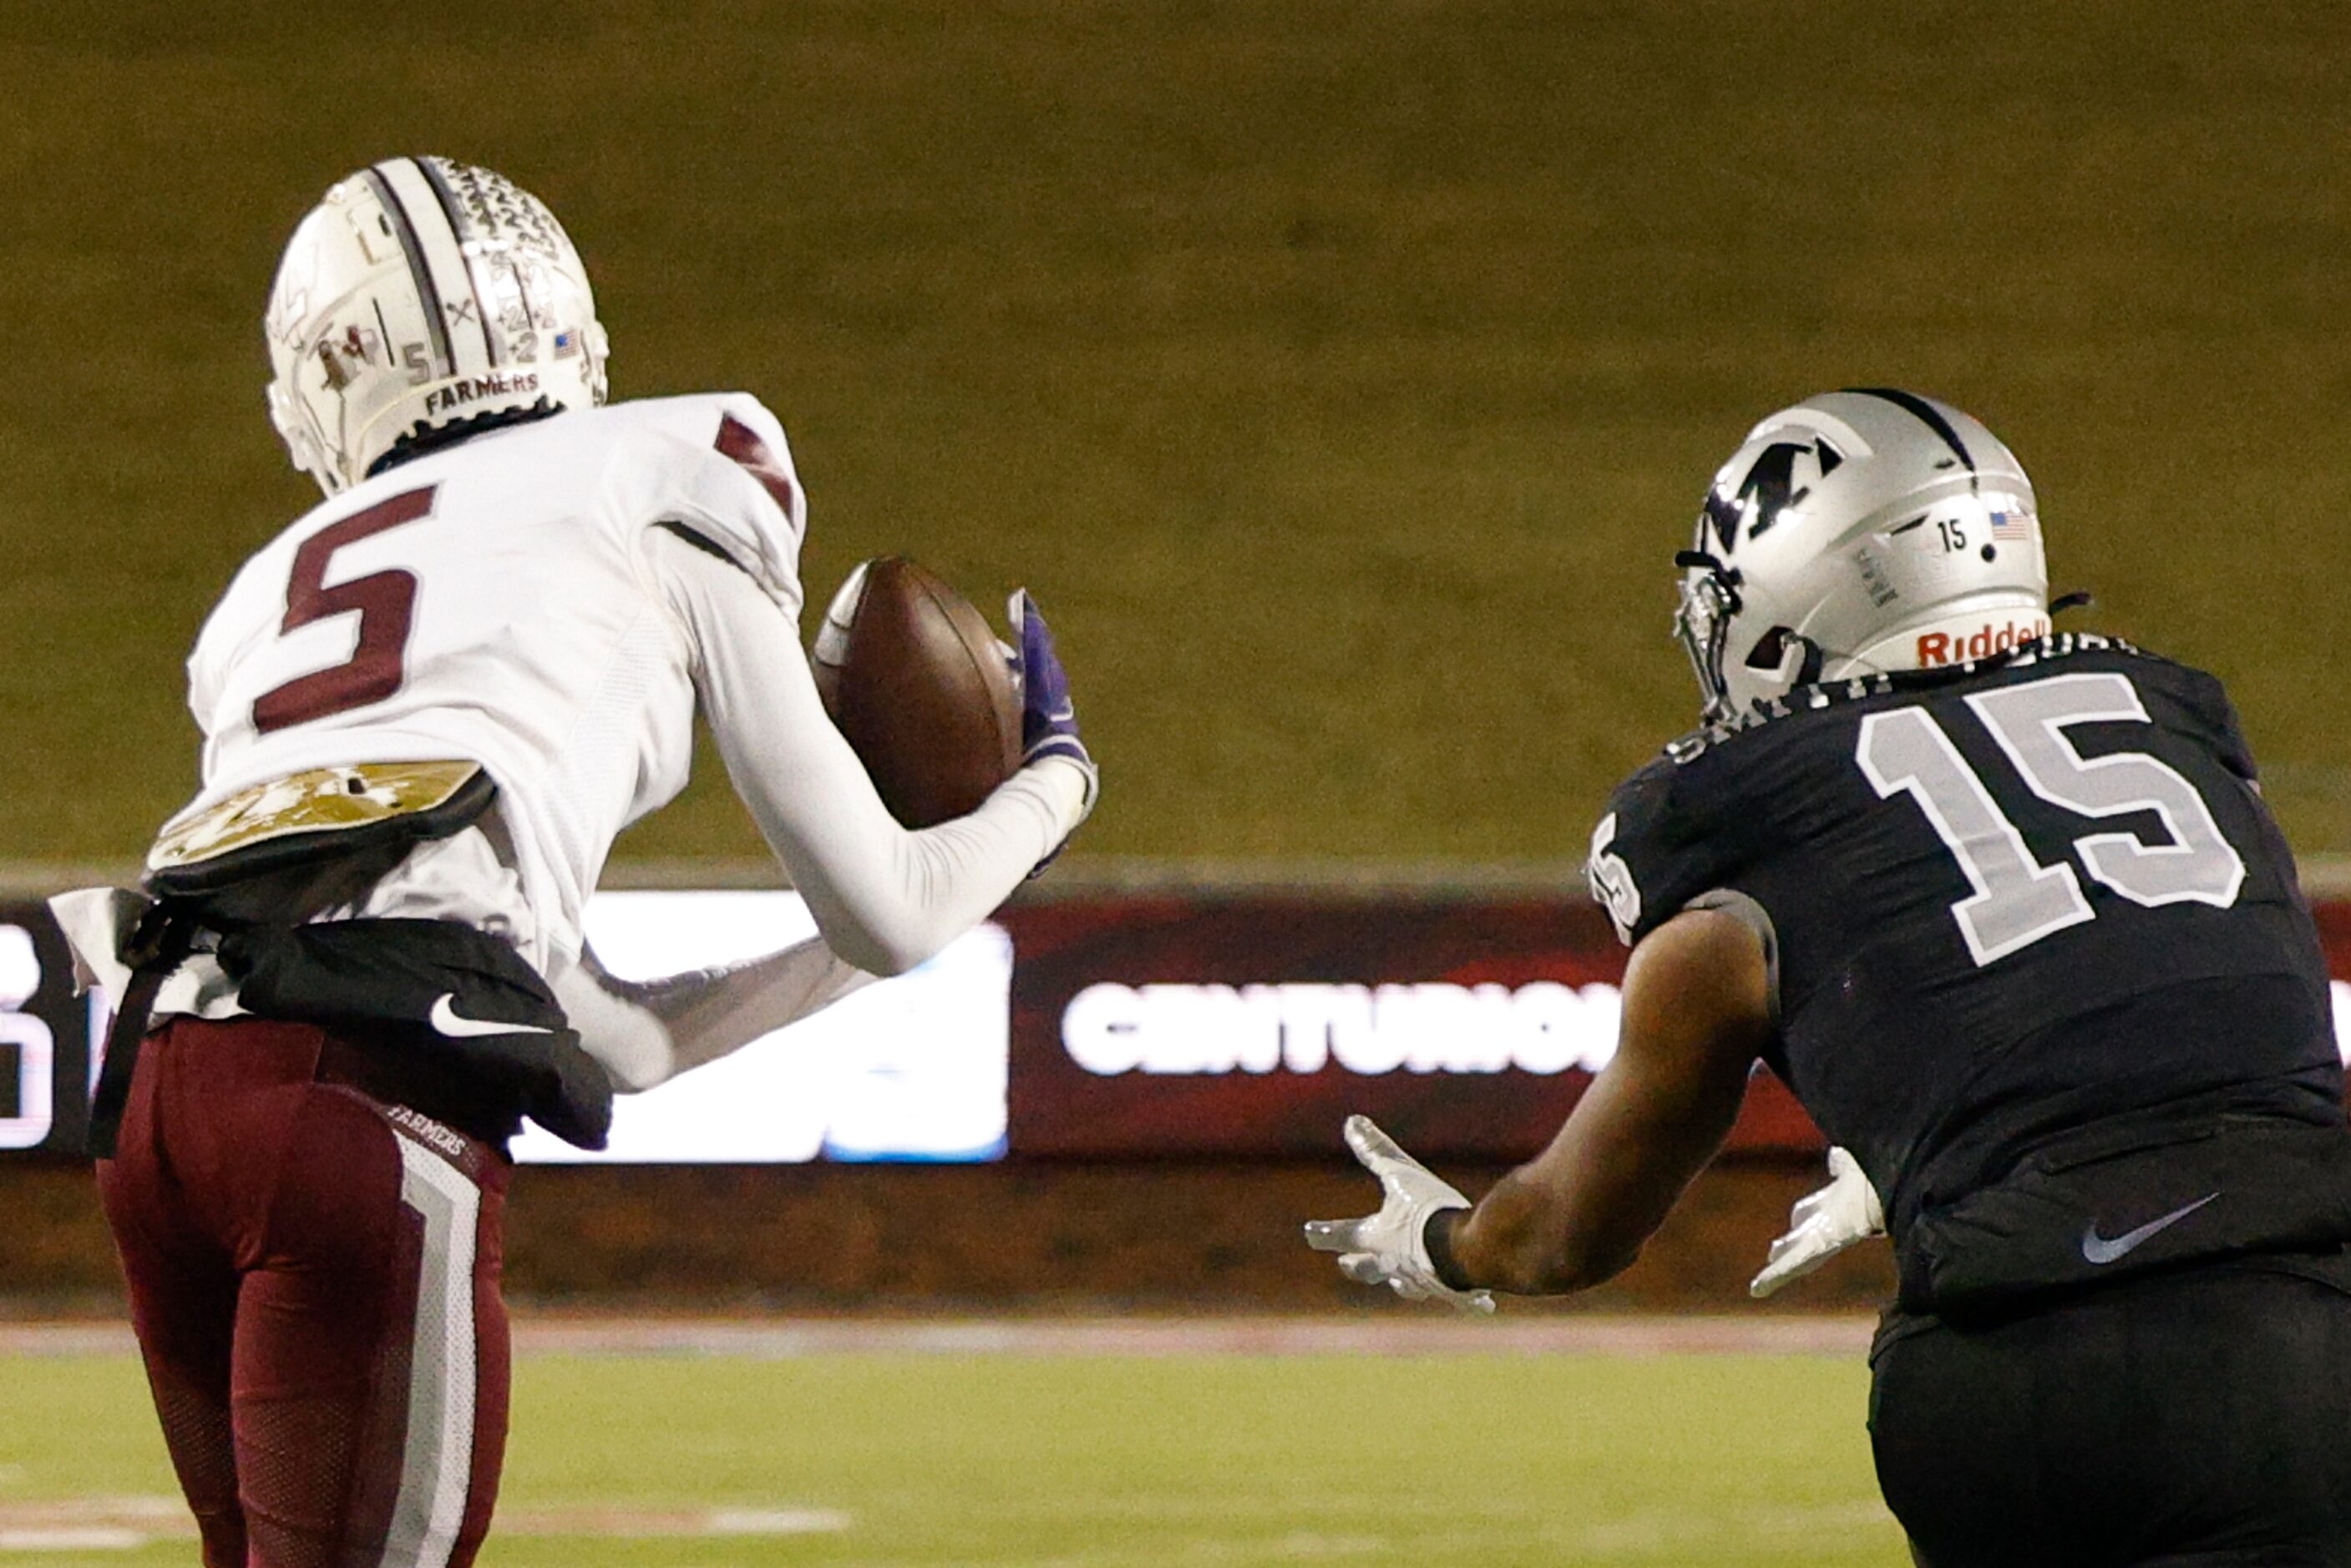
(1769, 488)
(435, 177)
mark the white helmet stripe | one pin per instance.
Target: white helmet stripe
(436, 326)
(447, 201)
(442, 250)
(1925, 413)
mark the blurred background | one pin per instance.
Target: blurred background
(1341, 377)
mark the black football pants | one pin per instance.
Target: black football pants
(2201, 1417)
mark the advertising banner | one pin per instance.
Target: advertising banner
(45, 1068)
(909, 1069)
(1188, 1027)
(1101, 1028)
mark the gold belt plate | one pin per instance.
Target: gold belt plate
(321, 800)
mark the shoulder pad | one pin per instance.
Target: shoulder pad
(731, 482)
(1652, 852)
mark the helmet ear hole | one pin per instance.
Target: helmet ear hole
(1785, 659)
(1770, 649)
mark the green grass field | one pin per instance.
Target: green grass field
(1080, 1462)
(1341, 373)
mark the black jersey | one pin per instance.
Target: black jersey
(2010, 901)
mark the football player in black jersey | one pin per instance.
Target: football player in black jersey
(2005, 909)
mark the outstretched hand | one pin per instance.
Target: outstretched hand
(1821, 1225)
(1391, 1247)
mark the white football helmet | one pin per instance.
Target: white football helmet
(422, 294)
(1858, 532)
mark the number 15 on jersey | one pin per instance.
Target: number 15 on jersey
(2017, 901)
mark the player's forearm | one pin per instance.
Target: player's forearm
(713, 1013)
(897, 898)
(1697, 1010)
(645, 1033)
(1516, 1240)
(1577, 1215)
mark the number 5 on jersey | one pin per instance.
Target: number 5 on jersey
(2017, 901)
(384, 601)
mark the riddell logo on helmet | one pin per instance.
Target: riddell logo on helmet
(457, 394)
(1956, 648)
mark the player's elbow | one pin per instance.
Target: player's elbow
(1581, 1269)
(881, 948)
(645, 1070)
(887, 961)
(616, 1030)
(1565, 1267)
(867, 929)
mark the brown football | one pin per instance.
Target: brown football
(916, 679)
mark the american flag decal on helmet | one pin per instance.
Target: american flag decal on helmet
(2012, 524)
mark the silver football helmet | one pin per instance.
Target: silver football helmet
(1858, 532)
(421, 293)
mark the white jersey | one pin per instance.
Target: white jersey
(491, 602)
(549, 600)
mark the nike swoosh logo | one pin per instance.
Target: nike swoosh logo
(448, 1021)
(2096, 1248)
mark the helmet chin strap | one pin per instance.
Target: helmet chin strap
(1809, 669)
(1802, 661)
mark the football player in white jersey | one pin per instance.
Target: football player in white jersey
(428, 708)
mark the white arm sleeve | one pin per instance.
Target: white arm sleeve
(647, 1032)
(885, 899)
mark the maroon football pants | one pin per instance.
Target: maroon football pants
(314, 1280)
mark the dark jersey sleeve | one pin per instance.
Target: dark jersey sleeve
(2214, 717)
(1658, 845)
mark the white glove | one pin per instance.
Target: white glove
(1392, 1246)
(1821, 1225)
